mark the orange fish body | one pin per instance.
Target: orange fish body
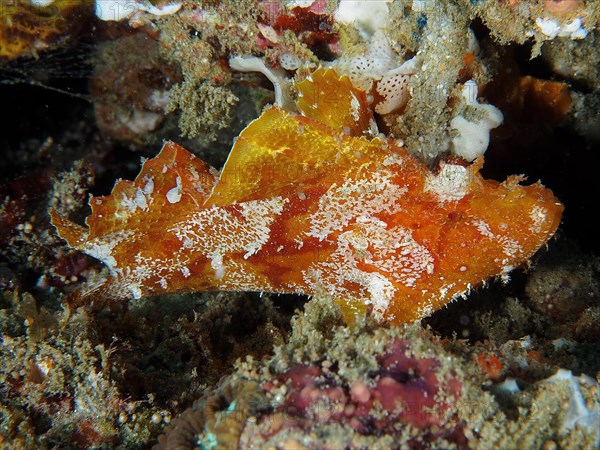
(314, 204)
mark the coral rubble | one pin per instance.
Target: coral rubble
(356, 179)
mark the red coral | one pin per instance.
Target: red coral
(312, 24)
(407, 385)
(313, 394)
(490, 365)
(405, 389)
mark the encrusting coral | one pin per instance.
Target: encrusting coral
(371, 388)
(367, 386)
(313, 203)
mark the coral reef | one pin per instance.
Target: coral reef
(564, 288)
(333, 386)
(92, 87)
(28, 243)
(78, 380)
(515, 21)
(56, 391)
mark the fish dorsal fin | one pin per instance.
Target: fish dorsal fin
(279, 152)
(174, 179)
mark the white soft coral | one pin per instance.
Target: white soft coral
(367, 16)
(472, 135)
(379, 70)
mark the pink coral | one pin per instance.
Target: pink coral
(405, 390)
